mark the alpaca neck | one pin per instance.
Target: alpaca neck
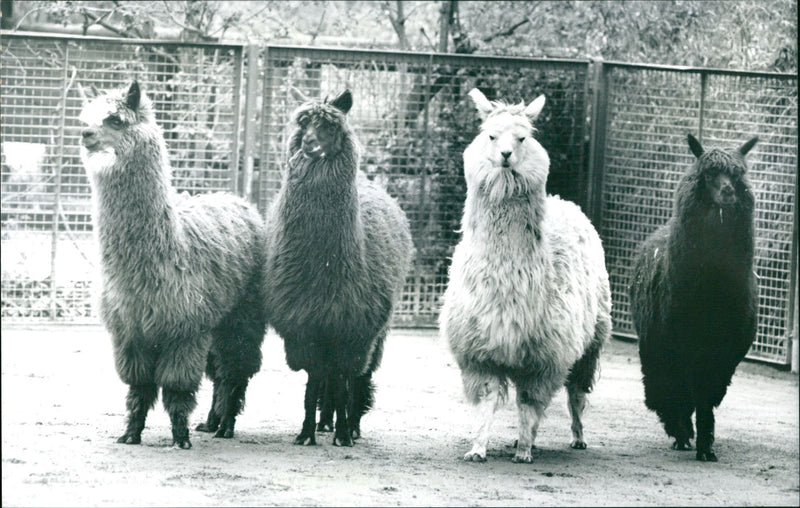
(519, 217)
(321, 214)
(134, 217)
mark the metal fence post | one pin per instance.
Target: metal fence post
(57, 177)
(703, 86)
(237, 111)
(250, 126)
(597, 145)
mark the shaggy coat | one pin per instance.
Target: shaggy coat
(694, 296)
(528, 298)
(339, 251)
(181, 276)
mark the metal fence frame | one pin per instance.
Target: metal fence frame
(259, 102)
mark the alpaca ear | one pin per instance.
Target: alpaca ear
(134, 96)
(695, 146)
(343, 102)
(297, 95)
(535, 107)
(82, 94)
(482, 104)
(748, 146)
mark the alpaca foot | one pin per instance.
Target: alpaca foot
(325, 427)
(183, 444)
(477, 454)
(578, 444)
(130, 439)
(342, 439)
(522, 457)
(706, 455)
(304, 439)
(356, 433)
(225, 432)
(682, 445)
(206, 427)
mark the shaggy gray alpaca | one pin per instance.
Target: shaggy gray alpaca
(528, 298)
(339, 251)
(181, 276)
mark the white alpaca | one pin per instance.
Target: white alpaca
(528, 298)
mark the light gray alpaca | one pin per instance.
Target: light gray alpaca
(528, 298)
(182, 285)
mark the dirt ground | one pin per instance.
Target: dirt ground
(63, 407)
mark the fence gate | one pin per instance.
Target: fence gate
(648, 112)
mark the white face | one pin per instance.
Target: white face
(505, 160)
(96, 111)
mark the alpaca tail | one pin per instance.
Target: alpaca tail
(582, 374)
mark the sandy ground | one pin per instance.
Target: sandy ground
(63, 407)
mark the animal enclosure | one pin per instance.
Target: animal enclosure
(614, 133)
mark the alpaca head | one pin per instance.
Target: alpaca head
(321, 129)
(718, 176)
(505, 160)
(110, 120)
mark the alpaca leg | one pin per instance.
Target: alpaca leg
(485, 392)
(212, 421)
(530, 415)
(705, 433)
(306, 436)
(230, 405)
(577, 403)
(179, 405)
(363, 398)
(343, 401)
(141, 398)
(326, 407)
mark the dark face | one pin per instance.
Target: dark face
(317, 140)
(720, 186)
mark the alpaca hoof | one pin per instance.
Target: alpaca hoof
(578, 444)
(224, 433)
(356, 434)
(324, 427)
(708, 456)
(522, 458)
(475, 457)
(130, 439)
(183, 444)
(344, 440)
(205, 427)
(681, 445)
(304, 440)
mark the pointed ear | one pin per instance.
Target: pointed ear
(297, 95)
(535, 107)
(748, 146)
(482, 104)
(343, 102)
(134, 96)
(82, 94)
(694, 146)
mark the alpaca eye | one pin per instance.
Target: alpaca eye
(521, 139)
(492, 137)
(115, 121)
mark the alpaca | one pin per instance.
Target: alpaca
(339, 249)
(694, 296)
(181, 276)
(528, 298)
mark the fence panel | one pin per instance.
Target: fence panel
(414, 120)
(650, 111)
(49, 257)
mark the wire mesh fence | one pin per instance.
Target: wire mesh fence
(413, 119)
(650, 111)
